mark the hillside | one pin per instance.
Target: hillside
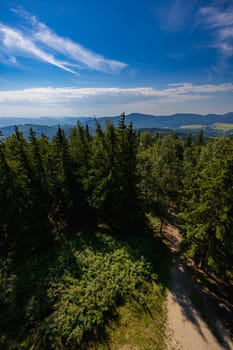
(212, 124)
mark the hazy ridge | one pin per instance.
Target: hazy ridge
(184, 122)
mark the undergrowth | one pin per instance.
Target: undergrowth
(74, 296)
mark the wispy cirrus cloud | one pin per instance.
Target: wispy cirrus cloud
(75, 51)
(217, 17)
(214, 21)
(220, 21)
(189, 88)
(17, 44)
(40, 42)
(175, 14)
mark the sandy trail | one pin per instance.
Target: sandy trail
(186, 330)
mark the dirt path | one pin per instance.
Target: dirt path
(186, 330)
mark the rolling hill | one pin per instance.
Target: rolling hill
(213, 124)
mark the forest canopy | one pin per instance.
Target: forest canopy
(110, 179)
(50, 189)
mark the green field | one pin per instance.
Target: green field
(223, 126)
(192, 126)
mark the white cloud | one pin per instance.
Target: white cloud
(65, 95)
(70, 101)
(24, 14)
(12, 59)
(75, 51)
(216, 17)
(39, 41)
(188, 88)
(220, 20)
(226, 33)
(18, 44)
(225, 48)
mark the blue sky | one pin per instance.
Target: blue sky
(85, 57)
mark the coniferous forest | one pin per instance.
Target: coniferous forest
(76, 243)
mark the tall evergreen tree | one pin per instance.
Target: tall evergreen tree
(207, 216)
(8, 227)
(128, 199)
(98, 175)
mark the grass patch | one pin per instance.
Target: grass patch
(153, 222)
(138, 327)
(96, 292)
(222, 126)
(192, 126)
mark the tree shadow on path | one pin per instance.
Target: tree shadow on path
(193, 300)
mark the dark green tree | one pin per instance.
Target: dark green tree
(207, 216)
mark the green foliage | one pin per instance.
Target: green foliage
(52, 187)
(206, 217)
(63, 299)
(112, 180)
(195, 179)
(160, 172)
(59, 291)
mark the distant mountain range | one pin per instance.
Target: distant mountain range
(213, 124)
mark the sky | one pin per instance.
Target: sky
(102, 58)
